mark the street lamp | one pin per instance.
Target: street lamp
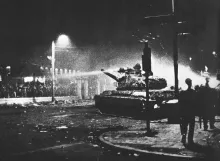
(63, 41)
(53, 74)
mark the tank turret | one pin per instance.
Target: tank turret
(133, 79)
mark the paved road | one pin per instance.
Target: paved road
(61, 132)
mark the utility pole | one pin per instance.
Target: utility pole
(172, 19)
(146, 63)
(175, 49)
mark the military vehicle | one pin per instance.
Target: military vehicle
(129, 98)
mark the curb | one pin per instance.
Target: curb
(62, 146)
(146, 151)
(26, 100)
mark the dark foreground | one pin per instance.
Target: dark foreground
(62, 132)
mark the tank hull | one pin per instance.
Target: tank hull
(127, 105)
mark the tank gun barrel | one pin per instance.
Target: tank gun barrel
(110, 75)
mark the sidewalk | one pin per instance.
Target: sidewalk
(26, 100)
(165, 141)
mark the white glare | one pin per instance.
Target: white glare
(214, 53)
(49, 57)
(206, 69)
(63, 41)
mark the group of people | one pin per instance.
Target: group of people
(201, 101)
(12, 90)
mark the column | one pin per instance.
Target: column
(97, 87)
(86, 89)
(56, 71)
(74, 72)
(103, 85)
(65, 71)
(79, 86)
(61, 71)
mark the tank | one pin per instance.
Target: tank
(129, 98)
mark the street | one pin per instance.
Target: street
(110, 80)
(62, 132)
(57, 132)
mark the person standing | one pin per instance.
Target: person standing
(187, 112)
(210, 99)
(199, 104)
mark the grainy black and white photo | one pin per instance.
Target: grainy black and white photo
(109, 80)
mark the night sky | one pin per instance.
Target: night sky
(29, 26)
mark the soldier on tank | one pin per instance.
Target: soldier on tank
(187, 112)
(133, 79)
(137, 70)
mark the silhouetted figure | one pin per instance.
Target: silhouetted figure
(198, 104)
(209, 102)
(187, 112)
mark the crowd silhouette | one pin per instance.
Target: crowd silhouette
(203, 101)
(30, 89)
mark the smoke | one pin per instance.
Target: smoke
(90, 60)
(161, 67)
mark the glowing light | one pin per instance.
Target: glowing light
(190, 58)
(62, 127)
(49, 57)
(8, 67)
(206, 69)
(63, 41)
(214, 53)
(65, 71)
(30, 79)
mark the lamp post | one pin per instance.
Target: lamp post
(53, 70)
(63, 41)
(175, 49)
